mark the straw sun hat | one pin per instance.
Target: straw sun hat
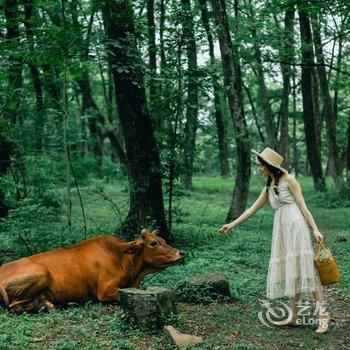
(271, 157)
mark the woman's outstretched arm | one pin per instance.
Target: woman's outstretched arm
(298, 196)
(247, 214)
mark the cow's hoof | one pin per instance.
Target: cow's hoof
(49, 306)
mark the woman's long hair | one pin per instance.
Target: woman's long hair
(277, 173)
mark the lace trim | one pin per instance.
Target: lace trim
(298, 285)
(292, 256)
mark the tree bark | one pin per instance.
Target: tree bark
(146, 197)
(310, 122)
(233, 84)
(328, 111)
(192, 96)
(220, 125)
(287, 56)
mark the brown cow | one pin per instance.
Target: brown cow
(93, 269)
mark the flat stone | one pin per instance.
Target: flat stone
(203, 288)
(148, 309)
(182, 340)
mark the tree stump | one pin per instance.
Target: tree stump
(148, 309)
(203, 288)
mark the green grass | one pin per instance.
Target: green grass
(242, 256)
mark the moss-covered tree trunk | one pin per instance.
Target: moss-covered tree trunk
(146, 197)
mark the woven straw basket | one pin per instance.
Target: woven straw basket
(326, 266)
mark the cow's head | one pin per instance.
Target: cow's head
(154, 250)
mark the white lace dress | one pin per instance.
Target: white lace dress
(291, 267)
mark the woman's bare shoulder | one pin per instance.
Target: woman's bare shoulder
(291, 180)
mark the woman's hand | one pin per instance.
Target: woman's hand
(318, 236)
(226, 229)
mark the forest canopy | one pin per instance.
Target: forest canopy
(157, 91)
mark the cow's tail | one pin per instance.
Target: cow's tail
(4, 296)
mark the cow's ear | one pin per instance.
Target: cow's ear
(143, 232)
(156, 232)
(133, 248)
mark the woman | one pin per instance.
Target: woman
(291, 267)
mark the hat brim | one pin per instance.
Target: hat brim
(274, 165)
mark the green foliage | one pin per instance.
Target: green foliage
(192, 294)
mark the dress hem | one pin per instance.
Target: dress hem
(282, 295)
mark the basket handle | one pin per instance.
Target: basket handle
(320, 245)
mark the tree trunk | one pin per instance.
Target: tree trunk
(336, 84)
(192, 96)
(54, 89)
(152, 50)
(295, 141)
(328, 111)
(287, 55)
(10, 112)
(161, 36)
(310, 122)
(220, 125)
(233, 83)
(110, 122)
(146, 197)
(5, 162)
(249, 95)
(89, 106)
(263, 91)
(29, 14)
(347, 154)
